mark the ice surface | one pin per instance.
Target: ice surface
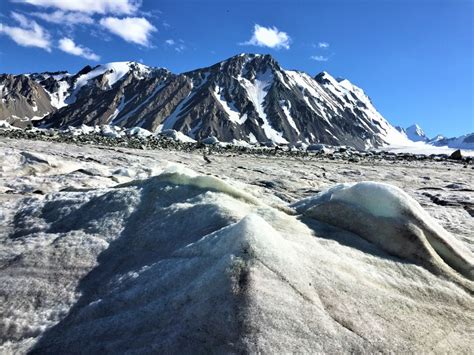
(5, 125)
(176, 135)
(138, 132)
(424, 148)
(125, 251)
(388, 217)
(111, 131)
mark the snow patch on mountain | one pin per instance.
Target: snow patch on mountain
(286, 107)
(171, 120)
(257, 91)
(114, 72)
(311, 91)
(229, 108)
(58, 97)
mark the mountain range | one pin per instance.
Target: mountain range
(416, 134)
(247, 97)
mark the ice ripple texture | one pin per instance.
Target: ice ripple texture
(183, 262)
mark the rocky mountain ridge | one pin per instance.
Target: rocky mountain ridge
(247, 97)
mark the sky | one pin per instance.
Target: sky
(414, 58)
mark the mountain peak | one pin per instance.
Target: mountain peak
(325, 78)
(415, 133)
(252, 57)
(240, 65)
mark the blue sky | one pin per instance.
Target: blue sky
(414, 58)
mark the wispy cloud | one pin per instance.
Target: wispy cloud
(67, 45)
(269, 37)
(64, 18)
(178, 46)
(28, 33)
(319, 58)
(323, 45)
(115, 7)
(131, 29)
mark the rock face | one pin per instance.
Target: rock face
(246, 97)
(22, 99)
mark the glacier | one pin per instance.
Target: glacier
(122, 250)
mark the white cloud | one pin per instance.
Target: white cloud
(117, 7)
(21, 19)
(323, 45)
(65, 18)
(320, 58)
(67, 45)
(269, 37)
(177, 46)
(132, 29)
(29, 34)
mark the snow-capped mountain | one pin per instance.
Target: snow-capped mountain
(463, 142)
(247, 97)
(416, 134)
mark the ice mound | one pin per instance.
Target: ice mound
(5, 125)
(210, 140)
(177, 136)
(183, 262)
(82, 129)
(388, 217)
(138, 132)
(179, 175)
(135, 232)
(111, 131)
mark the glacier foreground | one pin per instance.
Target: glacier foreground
(106, 250)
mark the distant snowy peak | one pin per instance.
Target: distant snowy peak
(416, 134)
(463, 142)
